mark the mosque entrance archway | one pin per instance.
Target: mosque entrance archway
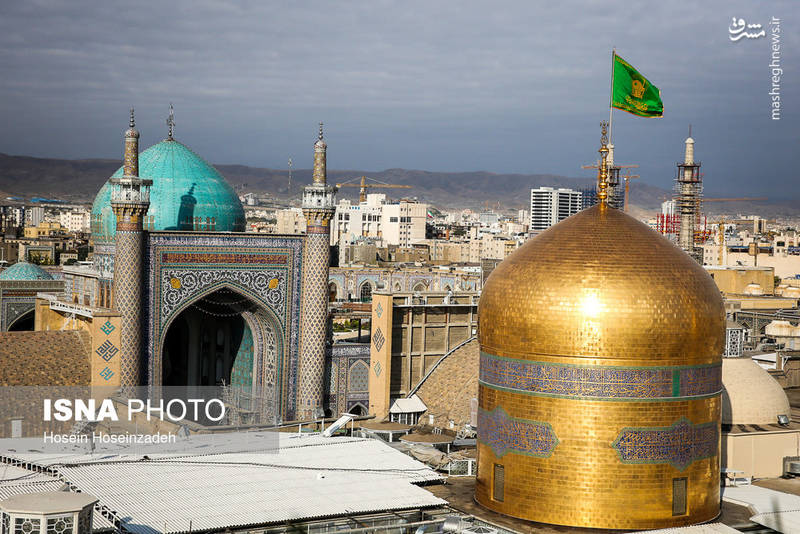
(23, 323)
(226, 339)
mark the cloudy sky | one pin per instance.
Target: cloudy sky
(503, 86)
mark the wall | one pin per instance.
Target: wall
(103, 328)
(733, 280)
(410, 335)
(380, 354)
(759, 454)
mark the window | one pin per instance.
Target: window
(27, 525)
(366, 292)
(498, 482)
(16, 428)
(4, 523)
(59, 525)
(358, 380)
(678, 496)
(392, 219)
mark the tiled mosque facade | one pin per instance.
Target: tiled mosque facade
(188, 283)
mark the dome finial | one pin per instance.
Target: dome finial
(602, 173)
(320, 131)
(132, 123)
(170, 122)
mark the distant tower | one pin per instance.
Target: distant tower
(318, 208)
(688, 191)
(130, 199)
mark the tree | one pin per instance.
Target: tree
(38, 258)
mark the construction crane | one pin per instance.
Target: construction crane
(734, 199)
(362, 197)
(628, 176)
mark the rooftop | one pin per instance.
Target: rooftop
(307, 477)
(45, 358)
(51, 502)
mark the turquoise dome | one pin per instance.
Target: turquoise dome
(185, 187)
(25, 271)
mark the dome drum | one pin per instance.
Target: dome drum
(599, 389)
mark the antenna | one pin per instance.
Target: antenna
(290, 177)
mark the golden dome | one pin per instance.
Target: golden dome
(600, 379)
(601, 284)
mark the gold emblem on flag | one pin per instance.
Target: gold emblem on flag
(637, 88)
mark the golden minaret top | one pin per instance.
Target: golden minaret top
(602, 171)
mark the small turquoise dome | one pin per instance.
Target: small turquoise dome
(25, 271)
(187, 194)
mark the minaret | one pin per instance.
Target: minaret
(318, 208)
(688, 188)
(130, 199)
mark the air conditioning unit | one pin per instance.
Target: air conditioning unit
(791, 466)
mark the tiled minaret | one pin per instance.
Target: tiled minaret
(318, 208)
(130, 199)
(689, 189)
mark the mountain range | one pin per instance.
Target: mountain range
(79, 180)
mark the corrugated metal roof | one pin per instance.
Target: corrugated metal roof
(17, 481)
(308, 477)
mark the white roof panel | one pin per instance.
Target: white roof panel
(412, 404)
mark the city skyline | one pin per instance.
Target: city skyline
(515, 89)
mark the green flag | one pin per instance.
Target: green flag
(632, 92)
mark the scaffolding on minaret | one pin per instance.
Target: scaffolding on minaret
(688, 200)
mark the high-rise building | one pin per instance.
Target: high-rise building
(549, 206)
(34, 215)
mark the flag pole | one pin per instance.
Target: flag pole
(611, 98)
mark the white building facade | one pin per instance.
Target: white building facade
(399, 223)
(549, 206)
